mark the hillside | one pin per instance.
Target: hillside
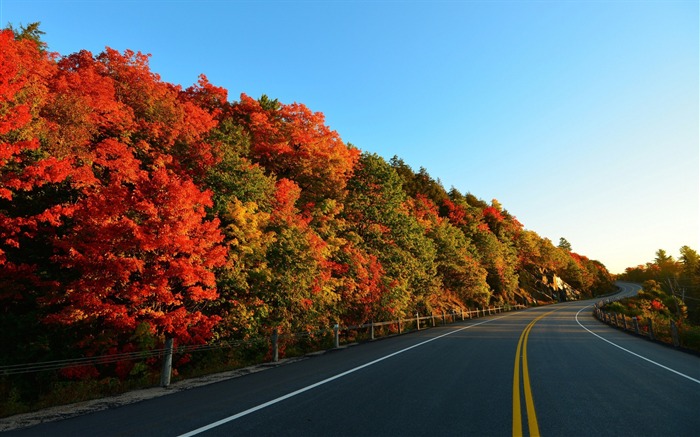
(132, 210)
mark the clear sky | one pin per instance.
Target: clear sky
(580, 117)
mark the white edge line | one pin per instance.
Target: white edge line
(325, 381)
(633, 353)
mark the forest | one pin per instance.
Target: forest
(667, 308)
(671, 287)
(134, 210)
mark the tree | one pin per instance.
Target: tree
(377, 211)
(691, 265)
(673, 278)
(84, 108)
(668, 268)
(361, 284)
(500, 261)
(104, 234)
(296, 293)
(689, 281)
(32, 197)
(30, 32)
(139, 250)
(564, 244)
(292, 142)
(418, 183)
(458, 270)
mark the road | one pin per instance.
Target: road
(554, 371)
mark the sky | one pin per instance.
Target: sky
(580, 117)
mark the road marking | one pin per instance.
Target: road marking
(325, 381)
(633, 353)
(533, 427)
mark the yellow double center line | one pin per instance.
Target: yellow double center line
(533, 428)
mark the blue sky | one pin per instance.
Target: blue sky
(580, 117)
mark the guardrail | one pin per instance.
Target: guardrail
(349, 334)
(645, 327)
(422, 322)
(391, 327)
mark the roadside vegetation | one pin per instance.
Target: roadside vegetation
(670, 293)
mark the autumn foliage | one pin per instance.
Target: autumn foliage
(132, 210)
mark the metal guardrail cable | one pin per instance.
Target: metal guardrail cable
(84, 359)
(15, 369)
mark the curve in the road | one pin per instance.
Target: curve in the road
(533, 427)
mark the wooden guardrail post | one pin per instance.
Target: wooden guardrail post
(336, 336)
(371, 330)
(635, 322)
(167, 370)
(275, 346)
(674, 334)
(417, 322)
(651, 329)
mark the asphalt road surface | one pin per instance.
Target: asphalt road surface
(554, 371)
